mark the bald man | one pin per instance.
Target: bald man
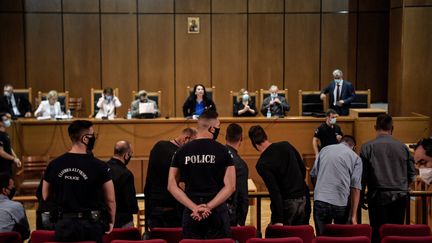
(123, 179)
(207, 169)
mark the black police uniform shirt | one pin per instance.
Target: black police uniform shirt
(327, 134)
(76, 182)
(5, 164)
(202, 164)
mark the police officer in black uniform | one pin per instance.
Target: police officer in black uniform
(81, 188)
(206, 167)
(327, 133)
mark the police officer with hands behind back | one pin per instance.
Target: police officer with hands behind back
(81, 188)
(207, 169)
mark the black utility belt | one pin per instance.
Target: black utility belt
(94, 215)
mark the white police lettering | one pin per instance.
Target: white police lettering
(200, 159)
(68, 171)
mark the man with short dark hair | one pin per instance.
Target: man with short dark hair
(388, 170)
(207, 169)
(423, 159)
(7, 155)
(238, 203)
(124, 187)
(14, 105)
(327, 133)
(283, 172)
(162, 209)
(12, 214)
(82, 189)
(338, 173)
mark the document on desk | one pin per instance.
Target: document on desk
(146, 108)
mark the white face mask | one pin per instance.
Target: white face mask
(245, 97)
(7, 93)
(426, 175)
(7, 123)
(333, 121)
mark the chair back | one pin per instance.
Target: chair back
(242, 233)
(407, 239)
(310, 103)
(224, 240)
(75, 106)
(95, 94)
(156, 96)
(210, 92)
(404, 230)
(139, 241)
(346, 230)
(170, 235)
(352, 239)
(276, 240)
(63, 99)
(362, 99)
(235, 97)
(26, 93)
(42, 236)
(122, 234)
(305, 232)
(10, 237)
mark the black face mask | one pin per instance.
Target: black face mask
(12, 192)
(90, 144)
(215, 133)
(126, 161)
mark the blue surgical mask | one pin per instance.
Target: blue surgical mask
(273, 95)
(108, 97)
(245, 97)
(7, 94)
(7, 123)
(338, 81)
(333, 121)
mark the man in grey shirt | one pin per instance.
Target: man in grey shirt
(338, 172)
(388, 170)
(12, 214)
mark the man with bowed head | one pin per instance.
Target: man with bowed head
(207, 169)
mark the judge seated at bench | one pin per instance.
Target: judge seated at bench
(143, 107)
(49, 108)
(107, 104)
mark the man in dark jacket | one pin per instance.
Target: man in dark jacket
(341, 93)
(124, 187)
(14, 105)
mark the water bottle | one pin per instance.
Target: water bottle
(268, 113)
(129, 115)
(68, 113)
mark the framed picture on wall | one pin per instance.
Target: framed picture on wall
(193, 25)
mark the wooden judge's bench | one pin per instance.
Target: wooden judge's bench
(33, 137)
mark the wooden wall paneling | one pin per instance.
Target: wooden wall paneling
(11, 5)
(44, 52)
(42, 6)
(123, 6)
(339, 5)
(396, 3)
(192, 57)
(372, 54)
(81, 6)
(120, 56)
(229, 6)
(192, 6)
(229, 58)
(373, 5)
(302, 6)
(417, 54)
(266, 6)
(420, 3)
(156, 58)
(265, 51)
(338, 46)
(82, 56)
(12, 69)
(395, 70)
(302, 55)
(159, 6)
